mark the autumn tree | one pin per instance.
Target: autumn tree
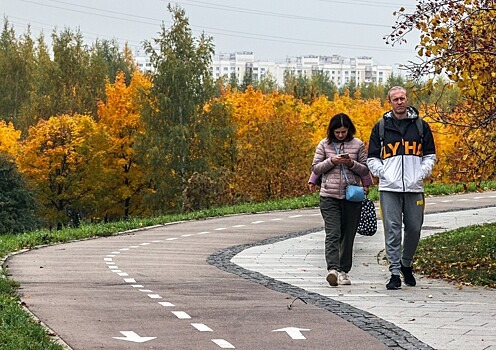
(457, 39)
(120, 116)
(273, 147)
(61, 160)
(182, 84)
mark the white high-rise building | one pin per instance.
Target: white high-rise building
(340, 70)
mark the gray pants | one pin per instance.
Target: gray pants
(398, 209)
(341, 221)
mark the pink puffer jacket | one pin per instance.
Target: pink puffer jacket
(333, 180)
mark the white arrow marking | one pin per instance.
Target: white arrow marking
(293, 332)
(131, 336)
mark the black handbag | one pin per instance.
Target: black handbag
(367, 226)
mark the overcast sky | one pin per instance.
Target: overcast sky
(271, 29)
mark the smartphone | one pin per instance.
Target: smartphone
(344, 155)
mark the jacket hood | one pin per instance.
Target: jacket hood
(412, 113)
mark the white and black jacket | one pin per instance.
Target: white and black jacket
(405, 160)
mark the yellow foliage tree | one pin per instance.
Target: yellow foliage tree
(9, 138)
(120, 117)
(457, 39)
(273, 147)
(61, 160)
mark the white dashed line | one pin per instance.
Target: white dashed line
(223, 344)
(112, 267)
(257, 222)
(123, 274)
(116, 271)
(137, 286)
(107, 259)
(202, 233)
(187, 235)
(110, 263)
(134, 246)
(111, 255)
(156, 241)
(277, 219)
(181, 315)
(295, 216)
(146, 243)
(124, 249)
(202, 327)
(171, 239)
(220, 229)
(129, 280)
(166, 304)
(239, 225)
(115, 253)
(146, 290)
(154, 296)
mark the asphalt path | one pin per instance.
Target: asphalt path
(162, 288)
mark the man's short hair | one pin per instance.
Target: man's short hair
(393, 89)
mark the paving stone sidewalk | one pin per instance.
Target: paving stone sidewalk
(442, 315)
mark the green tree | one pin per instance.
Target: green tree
(17, 205)
(16, 65)
(182, 84)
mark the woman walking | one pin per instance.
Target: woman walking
(341, 159)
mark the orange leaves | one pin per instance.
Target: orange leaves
(273, 147)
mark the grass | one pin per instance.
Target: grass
(465, 255)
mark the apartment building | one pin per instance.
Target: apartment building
(341, 70)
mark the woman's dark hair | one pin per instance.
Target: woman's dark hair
(340, 120)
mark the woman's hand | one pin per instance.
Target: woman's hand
(338, 160)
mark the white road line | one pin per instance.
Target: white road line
(146, 243)
(158, 241)
(112, 267)
(295, 216)
(122, 274)
(124, 249)
(107, 259)
(257, 222)
(116, 271)
(171, 239)
(202, 327)
(110, 263)
(111, 255)
(129, 280)
(154, 296)
(134, 246)
(220, 229)
(202, 233)
(239, 225)
(223, 344)
(166, 304)
(181, 315)
(187, 235)
(115, 253)
(277, 219)
(146, 290)
(137, 286)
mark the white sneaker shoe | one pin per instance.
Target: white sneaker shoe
(344, 279)
(332, 278)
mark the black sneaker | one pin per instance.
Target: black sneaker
(407, 273)
(394, 282)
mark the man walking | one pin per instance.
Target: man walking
(401, 154)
